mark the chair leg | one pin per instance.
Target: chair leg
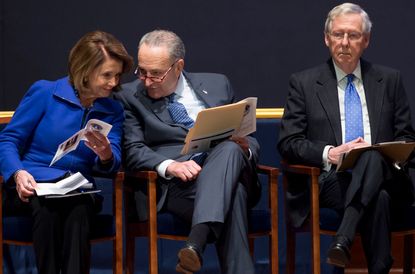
(315, 238)
(408, 254)
(1, 255)
(251, 246)
(130, 254)
(291, 242)
(116, 258)
(273, 253)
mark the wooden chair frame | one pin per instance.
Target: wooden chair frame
(149, 228)
(313, 224)
(116, 238)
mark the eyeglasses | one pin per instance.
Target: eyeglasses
(352, 36)
(143, 74)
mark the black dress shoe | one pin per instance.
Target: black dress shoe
(339, 251)
(190, 259)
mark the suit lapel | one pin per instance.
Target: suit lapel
(326, 90)
(374, 91)
(157, 107)
(200, 91)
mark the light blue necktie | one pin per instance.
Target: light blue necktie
(178, 112)
(353, 111)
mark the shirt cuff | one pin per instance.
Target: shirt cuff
(162, 167)
(326, 164)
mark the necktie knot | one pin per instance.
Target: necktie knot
(171, 97)
(350, 78)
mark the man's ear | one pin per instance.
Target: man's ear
(180, 65)
(326, 39)
(366, 38)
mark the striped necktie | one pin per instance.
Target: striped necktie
(178, 112)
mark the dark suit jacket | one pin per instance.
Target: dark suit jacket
(312, 119)
(150, 135)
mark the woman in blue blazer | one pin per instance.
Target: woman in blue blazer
(50, 113)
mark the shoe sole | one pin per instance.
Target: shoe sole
(188, 261)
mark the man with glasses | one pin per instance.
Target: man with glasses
(343, 104)
(210, 191)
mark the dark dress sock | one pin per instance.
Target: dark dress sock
(199, 235)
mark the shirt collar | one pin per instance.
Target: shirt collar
(180, 86)
(340, 74)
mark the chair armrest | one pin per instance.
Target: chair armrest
(300, 169)
(150, 178)
(313, 173)
(272, 173)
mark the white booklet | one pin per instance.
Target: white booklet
(213, 125)
(66, 187)
(72, 142)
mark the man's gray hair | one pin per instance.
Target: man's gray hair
(348, 8)
(165, 38)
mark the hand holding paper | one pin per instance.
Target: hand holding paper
(397, 152)
(65, 187)
(72, 142)
(213, 125)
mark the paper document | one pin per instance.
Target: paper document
(64, 187)
(213, 125)
(72, 142)
(397, 152)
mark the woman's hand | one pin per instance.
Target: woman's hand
(99, 144)
(25, 185)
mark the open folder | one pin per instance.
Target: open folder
(397, 152)
(213, 125)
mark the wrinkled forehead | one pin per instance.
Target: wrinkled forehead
(153, 56)
(347, 21)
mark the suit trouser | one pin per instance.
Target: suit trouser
(61, 230)
(218, 196)
(370, 188)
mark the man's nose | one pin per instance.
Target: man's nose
(345, 40)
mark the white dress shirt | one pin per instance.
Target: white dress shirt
(341, 88)
(185, 95)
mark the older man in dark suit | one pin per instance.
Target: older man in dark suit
(211, 191)
(340, 105)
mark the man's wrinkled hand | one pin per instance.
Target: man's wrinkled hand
(335, 152)
(185, 171)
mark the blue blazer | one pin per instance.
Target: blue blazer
(48, 114)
